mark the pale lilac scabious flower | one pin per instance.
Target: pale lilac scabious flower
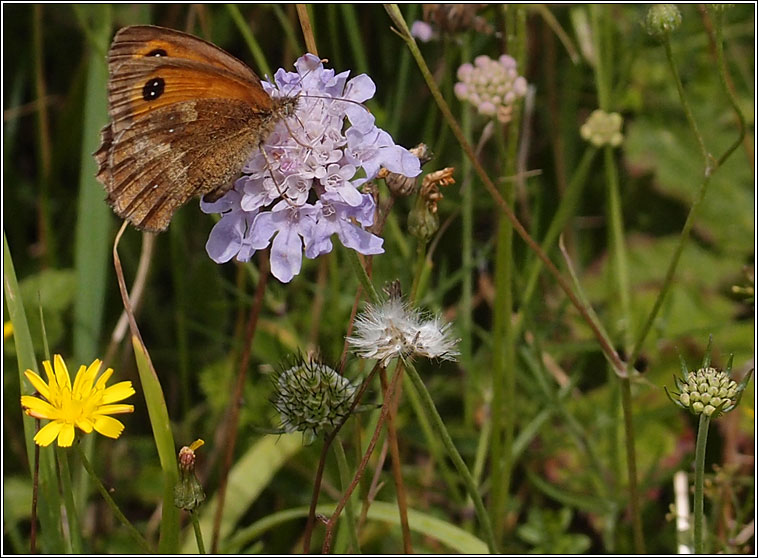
(393, 330)
(492, 86)
(301, 186)
(422, 31)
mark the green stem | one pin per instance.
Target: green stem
(360, 273)
(344, 471)
(72, 516)
(631, 464)
(139, 539)
(702, 439)
(460, 465)
(686, 106)
(728, 90)
(198, 532)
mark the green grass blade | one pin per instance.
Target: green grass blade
(164, 442)
(49, 503)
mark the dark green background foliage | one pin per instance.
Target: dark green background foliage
(564, 498)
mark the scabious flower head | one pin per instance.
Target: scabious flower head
(311, 398)
(602, 128)
(662, 19)
(301, 186)
(391, 330)
(85, 405)
(708, 390)
(492, 86)
(188, 492)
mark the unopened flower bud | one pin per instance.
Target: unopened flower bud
(708, 390)
(422, 222)
(188, 492)
(662, 19)
(493, 86)
(311, 398)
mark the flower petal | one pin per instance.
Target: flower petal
(48, 433)
(61, 372)
(117, 392)
(38, 383)
(104, 377)
(114, 409)
(108, 426)
(85, 425)
(66, 437)
(85, 378)
(286, 255)
(37, 408)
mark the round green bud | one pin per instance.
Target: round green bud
(662, 19)
(685, 399)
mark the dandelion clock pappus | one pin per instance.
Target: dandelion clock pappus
(301, 187)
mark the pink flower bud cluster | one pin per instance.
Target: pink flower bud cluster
(493, 86)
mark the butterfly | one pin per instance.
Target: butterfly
(184, 118)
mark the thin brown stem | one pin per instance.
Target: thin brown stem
(397, 474)
(310, 522)
(386, 406)
(236, 403)
(305, 24)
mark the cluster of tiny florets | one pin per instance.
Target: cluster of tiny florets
(311, 398)
(492, 86)
(603, 128)
(662, 19)
(708, 391)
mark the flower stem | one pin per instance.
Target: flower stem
(139, 539)
(344, 472)
(67, 490)
(386, 406)
(702, 439)
(322, 461)
(631, 464)
(236, 401)
(198, 532)
(460, 465)
(397, 474)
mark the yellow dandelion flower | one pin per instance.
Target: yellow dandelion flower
(85, 405)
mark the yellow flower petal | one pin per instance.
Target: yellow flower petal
(51, 381)
(196, 444)
(85, 425)
(117, 392)
(61, 372)
(38, 383)
(85, 377)
(7, 330)
(108, 426)
(114, 409)
(66, 437)
(36, 407)
(104, 377)
(48, 433)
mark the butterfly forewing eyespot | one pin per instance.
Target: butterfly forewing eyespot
(153, 89)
